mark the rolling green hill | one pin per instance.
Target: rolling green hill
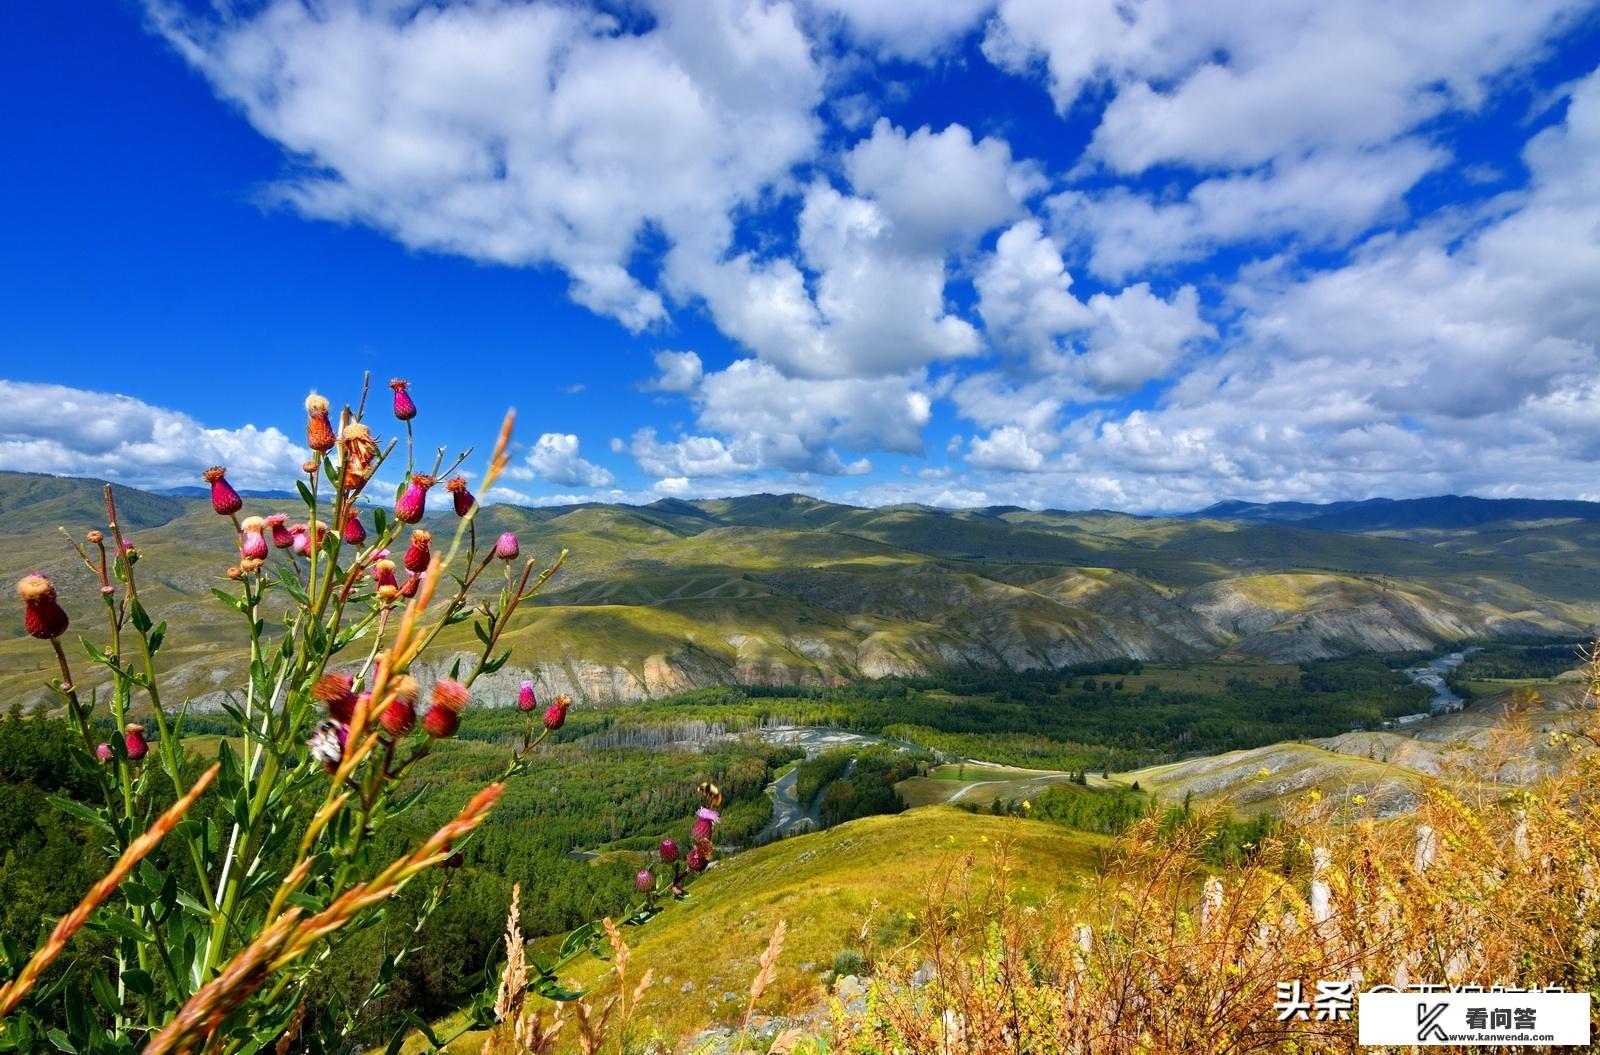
(675, 595)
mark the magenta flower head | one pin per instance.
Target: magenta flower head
(400, 716)
(419, 552)
(414, 502)
(338, 692)
(404, 408)
(408, 589)
(643, 880)
(327, 743)
(444, 717)
(669, 851)
(282, 537)
(506, 548)
(383, 575)
(697, 860)
(704, 820)
(526, 701)
(224, 499)
(128, 552)
(300, 539)
(556, 716)
(42, 616)
(104, 752)
(133, 739)
(252, 543)
(457, 486)
(354, 533)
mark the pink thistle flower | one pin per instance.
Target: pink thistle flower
(669, 851)
(252, 543)
(404, 407)
(413, 504)
(282, 537)
(319, 430)
(337, 691)
(419, 553)
(104, 753)
(327, 743)
(506, 548)
(644, 880)
(556, 716)
(300, 539)
(457, 486)
(400, 716)
(224, 499)
(526, 701)
(408, 589)
(354, 533)
(133, 739)
(42, 616)
(444, 717)
(129, 555)
(704, 820)
(383, 573)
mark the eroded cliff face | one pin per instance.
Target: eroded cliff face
(1049, 624)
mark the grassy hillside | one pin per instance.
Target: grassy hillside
(851, 889)
(678, 595)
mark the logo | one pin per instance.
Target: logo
(1428, 1022)
(1466, 1017)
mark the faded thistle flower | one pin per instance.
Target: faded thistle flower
(404, 407)
(506, 548)
(43, 617)
(444, 717)
(224, 499)
(413, 503)
(319, 430)
(457, 486)
(556, 715)
(133, 739)
(360, 457)
(383, 575)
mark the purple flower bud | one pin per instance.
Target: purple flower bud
(103, 752)
(526, 701)
(644, 880)
(404, 408)
(506, 548)
(224, 499)
(669, 851)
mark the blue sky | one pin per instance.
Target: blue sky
(1069, 254)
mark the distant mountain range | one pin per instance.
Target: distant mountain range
(1444, 513)
(677, 594)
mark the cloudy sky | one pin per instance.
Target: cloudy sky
(1142, 254)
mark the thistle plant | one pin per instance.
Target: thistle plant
(266, 856)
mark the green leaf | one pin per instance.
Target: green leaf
(141, 618)
(80, 811)
(157, 635)
(139, 982)
(380, 521)
(59, 1039)
(306, 495)
(490, 666)
(122, 927)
